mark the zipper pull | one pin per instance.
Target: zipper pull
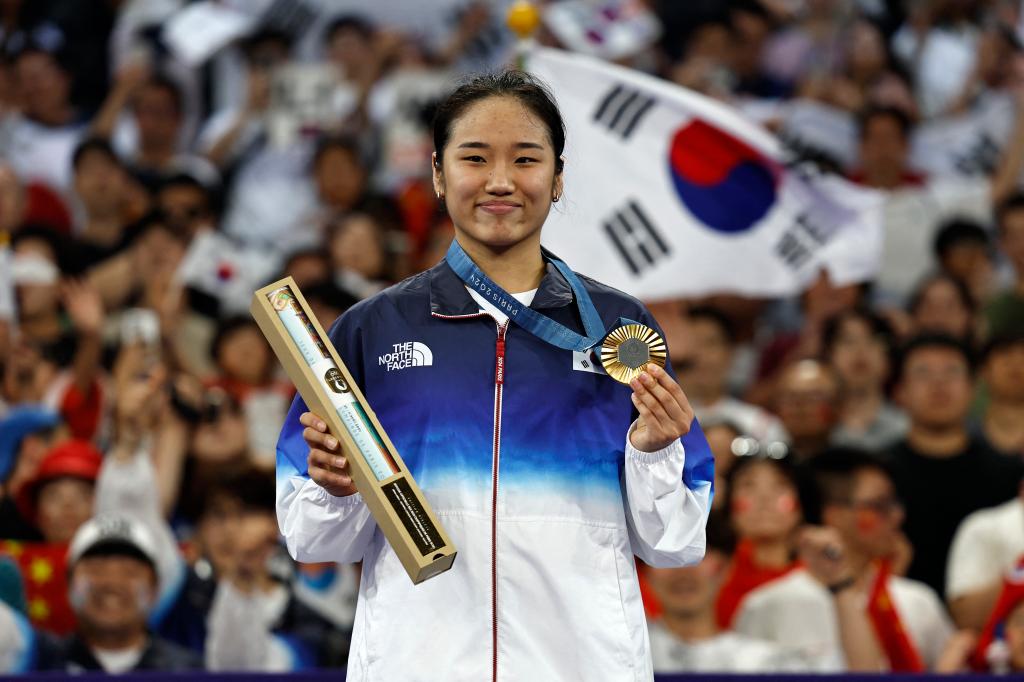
(499, 359)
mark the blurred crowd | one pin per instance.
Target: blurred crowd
(160, 160)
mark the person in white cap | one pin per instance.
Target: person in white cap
(113, 581)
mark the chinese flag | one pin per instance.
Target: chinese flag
(896, 644)
(46, 587)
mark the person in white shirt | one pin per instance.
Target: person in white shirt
(705, 370)
(39, 139)
(987, 544)
(687, 638)
(823, 608)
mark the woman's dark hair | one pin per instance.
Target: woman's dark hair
(877, 324)
(523, 87)
(782, 466)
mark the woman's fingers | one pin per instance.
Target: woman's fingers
(328, 460)
(313, 421)
(330, 471)
(315, 434)
(332, 482)
(665, 400)
(654, 406)
(669, 403)
(674, 389)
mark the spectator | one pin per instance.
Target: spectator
(233, 607)
(721, 436)
(359, 255)
(705, 368)
(62, 321)
(764, 511)
(186, 204)
(829, 607)
(269, 185)
(101, 187)
(687, 637)
(942, 473)
(986, 546)
(885, 150)
(27, 434)
(943, 305)
(806, 400)
(867, 70)
(151, 140)
(822, 300)
(43, 135)
(916, 206)
(114, 581)
(247, 367)
(751, 25)
(964, 252)
(858, 347)
(59, 498)
(1002, 369)
(1006, 310)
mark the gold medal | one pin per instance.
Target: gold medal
(627, 350)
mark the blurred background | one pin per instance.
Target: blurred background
(162, 159)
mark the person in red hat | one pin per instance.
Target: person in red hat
(59, 498)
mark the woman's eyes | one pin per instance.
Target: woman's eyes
(475, 158)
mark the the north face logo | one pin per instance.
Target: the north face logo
(408, 354)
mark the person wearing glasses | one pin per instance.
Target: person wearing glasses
(848, 608)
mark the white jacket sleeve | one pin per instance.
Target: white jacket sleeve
(318, 526)
(666, 519)
(127, 487)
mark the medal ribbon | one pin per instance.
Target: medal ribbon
(541, 326)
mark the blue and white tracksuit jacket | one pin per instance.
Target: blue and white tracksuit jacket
(522, 452)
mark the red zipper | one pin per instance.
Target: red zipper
(499, 385)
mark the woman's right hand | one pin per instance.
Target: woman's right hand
(328, 466)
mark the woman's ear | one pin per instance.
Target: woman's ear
(436, 174)
(557, 187)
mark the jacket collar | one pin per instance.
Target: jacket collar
(449, 298)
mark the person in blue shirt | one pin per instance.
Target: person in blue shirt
(548, 475)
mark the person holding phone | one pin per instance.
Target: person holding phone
(548, 474)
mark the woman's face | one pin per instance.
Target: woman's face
(356, 246)
(764, 503)
(942, 310)
(498, 175)
(859, 357)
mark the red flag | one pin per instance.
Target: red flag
(745, 575)
(885, 620)
(43, 568)
(1010, 596)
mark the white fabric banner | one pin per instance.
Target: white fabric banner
(669, 193)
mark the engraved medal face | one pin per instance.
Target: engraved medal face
(626, 351)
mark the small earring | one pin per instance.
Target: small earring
(440, 196)
(555, 198)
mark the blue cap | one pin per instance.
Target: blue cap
(15, 425)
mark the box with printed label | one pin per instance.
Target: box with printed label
(311, 361)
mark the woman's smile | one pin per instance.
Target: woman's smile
(499, 207)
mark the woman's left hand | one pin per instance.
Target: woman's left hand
(665, 413)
